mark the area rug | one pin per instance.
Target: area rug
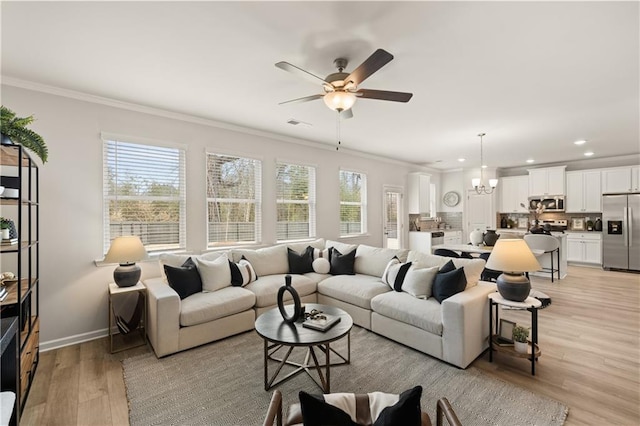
(222, 383)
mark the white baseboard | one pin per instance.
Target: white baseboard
(72, 340)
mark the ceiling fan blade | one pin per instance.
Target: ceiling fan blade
(384, 95)
(377, 60)
(305, 99)
(345, 115)
(286, 66)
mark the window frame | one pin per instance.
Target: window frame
(111, 138)
(362, 203)
(311, 201)
(258, 213)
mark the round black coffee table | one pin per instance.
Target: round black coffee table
(277, 335)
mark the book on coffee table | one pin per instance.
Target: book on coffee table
(321, 324)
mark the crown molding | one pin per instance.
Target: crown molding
(114, 103)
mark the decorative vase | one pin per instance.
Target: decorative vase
(598, 225)
(521, 347)
(476, 237)
(503, 222)
(490, 238)
(297, 308)
(5, 233)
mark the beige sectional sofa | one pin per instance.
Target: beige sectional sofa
(455, 331)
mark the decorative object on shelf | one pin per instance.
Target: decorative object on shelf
(523, 223)
(451, 199)
(297, 307)
(14, 131)
(476, 237)
(503, 222)
(126, 251)
(506, 331)
(589, 225)
(577, 224)
(490, 237)
(478, 183)
(513, 257)
(4, 225)
(536, 214)
(597, 226)
(520, 336)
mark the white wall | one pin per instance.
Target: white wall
(73, 299)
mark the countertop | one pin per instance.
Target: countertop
(428, 231)
(520, 231)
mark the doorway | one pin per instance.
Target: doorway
(480, 212)
(392, 217)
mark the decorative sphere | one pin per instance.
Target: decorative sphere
(321, 265)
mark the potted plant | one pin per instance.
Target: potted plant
(5, 226)
(520, 336)
(14, 130)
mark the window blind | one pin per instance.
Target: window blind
(296, 201)
(234, 196)
(353, 202)
(144, 194)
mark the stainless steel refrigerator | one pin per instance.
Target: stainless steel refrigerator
(621, 231)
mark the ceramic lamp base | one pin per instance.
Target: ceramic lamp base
(127, 275)
(515, 287)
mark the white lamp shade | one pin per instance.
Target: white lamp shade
(475, 182)
(339, 100)
(493, 183)
(126, 250)
(512, 256)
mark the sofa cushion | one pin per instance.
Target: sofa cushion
(265, 261)
(215, 274)
(446, 284)
(373, 260)
(342, 247)
(177, 260)
(242, 273)
(418, 281)
(355, 289)
(204, 307)
(394, 273)
(184, 279)
(300, 263)
(302, 246)
(421, 313)
(317, 277)
(266, 288)
(341, 264)
(472, 267)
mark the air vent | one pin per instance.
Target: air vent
(295, 122)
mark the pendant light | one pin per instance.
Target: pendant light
(478, 184)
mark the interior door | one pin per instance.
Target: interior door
(480, 212)
(392, 218)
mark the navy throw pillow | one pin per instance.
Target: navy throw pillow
(404, 412)
(342, 264)
(185, 279)
(447, 267)
(300, 263)
(446, 284)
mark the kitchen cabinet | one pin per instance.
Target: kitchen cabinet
(584, 192)
(514, 190)
(547, 181)
(621, 179)
(419, 185)
(584, 247)
(453, 237)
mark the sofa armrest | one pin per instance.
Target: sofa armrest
(465, 324)
(163, 312)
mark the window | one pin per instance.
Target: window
(234, 192)
(144, 194)
(296, 200)
(353, 203)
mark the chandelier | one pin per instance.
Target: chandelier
(478, 184)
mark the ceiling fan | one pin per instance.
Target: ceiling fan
(341, 88)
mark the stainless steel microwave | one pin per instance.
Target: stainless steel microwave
(551, 204)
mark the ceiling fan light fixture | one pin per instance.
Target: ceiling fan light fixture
(339, 100)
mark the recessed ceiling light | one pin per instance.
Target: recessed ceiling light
(438, 161)
(580, 142)
(588, 153)
(461, 160)
(530, 160)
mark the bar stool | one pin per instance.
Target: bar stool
(547, 244)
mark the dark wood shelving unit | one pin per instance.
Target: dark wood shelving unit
(23, 259)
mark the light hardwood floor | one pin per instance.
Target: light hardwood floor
(590, 361)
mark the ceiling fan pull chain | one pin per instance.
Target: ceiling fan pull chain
(338, 130)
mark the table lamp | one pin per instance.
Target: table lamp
(513, 257)
(126, 251)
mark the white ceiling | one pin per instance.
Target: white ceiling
(534, 76)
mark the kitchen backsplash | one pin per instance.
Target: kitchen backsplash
(450, 220)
